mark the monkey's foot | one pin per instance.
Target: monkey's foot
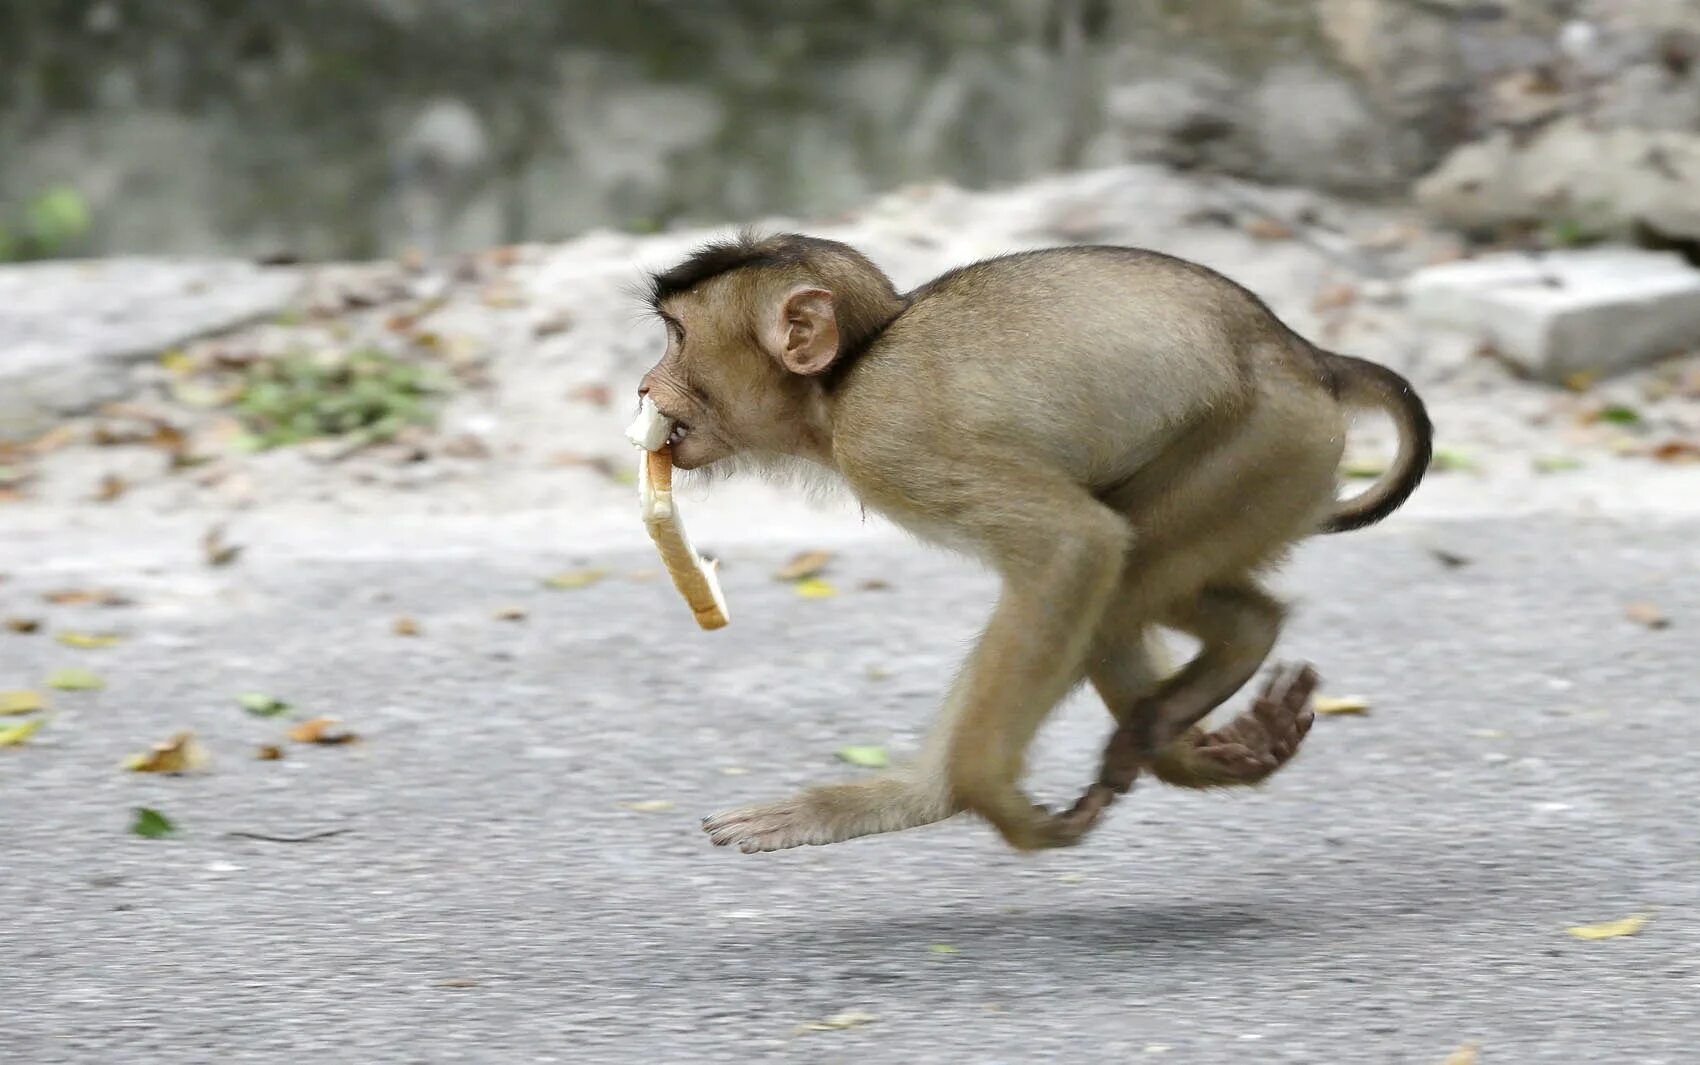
(828, 814)
(1251, 747)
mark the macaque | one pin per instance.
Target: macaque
(1129, 440)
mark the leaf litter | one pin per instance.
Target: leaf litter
(182, 753)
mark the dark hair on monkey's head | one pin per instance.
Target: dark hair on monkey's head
(748, 248)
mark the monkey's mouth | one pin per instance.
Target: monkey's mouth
(677, 436)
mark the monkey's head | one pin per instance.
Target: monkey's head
(754, 325)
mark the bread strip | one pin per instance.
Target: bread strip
(692, 574)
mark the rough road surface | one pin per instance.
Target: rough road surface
(493, 896)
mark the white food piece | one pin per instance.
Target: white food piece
(651, 428)
(695, 577)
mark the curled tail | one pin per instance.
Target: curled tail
(1360, 383)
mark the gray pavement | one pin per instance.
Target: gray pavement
(1402, 890)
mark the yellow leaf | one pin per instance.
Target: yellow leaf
(1364, 468)
(734, 770)
(176, 361)
(405, 626)
(815, 588)
(179, 754)
(89, 640)
(804, 565)
(1464, 1055)
(839, 1021)
(21, 702)
(1647, 614)
(321, 730)
(15, 735)
(1340, 704)
(649, 806)
(574, 578)
(73, 679)
(942, 948)
(1628, 926)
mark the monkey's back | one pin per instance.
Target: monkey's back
(1135, 345)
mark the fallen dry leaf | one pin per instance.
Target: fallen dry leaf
(1464, 1055)
(21, 702)
(875, 584)
(649, 806)
(839, 1021)
(641, 575)
(597, 395)
(323, 730)
(803, 565)
(1449, 559)
(567, 580)
(215, 550)
(814, 588)
(1334, 298)
(734, 770)
(86, 597)
(179, 754)
(89, 640)
(1556, 464)
(23, 625)
(510, 613)
(269, 752)
(1628, 926)
(73, 679)
(15, 735)
(1340, 704)
(1646, 614)
(110, 488)
(405, 626)
(1266, 228)
(1677, 451)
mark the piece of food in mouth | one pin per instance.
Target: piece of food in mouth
(693, 576)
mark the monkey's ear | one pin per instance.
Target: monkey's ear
(803, 335)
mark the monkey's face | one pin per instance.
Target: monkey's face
(712, 382)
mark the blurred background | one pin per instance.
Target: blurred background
(318, 329)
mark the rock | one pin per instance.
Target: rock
(1600, 182)
(1577, 312)
(69, 329)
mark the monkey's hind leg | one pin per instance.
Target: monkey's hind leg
(1250, 748)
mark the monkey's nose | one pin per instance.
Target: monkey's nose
(643, 390)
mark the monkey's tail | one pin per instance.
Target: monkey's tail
(1361, 383)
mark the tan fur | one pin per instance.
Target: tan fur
(1128, 439)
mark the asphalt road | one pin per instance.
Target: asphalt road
(1402, 890)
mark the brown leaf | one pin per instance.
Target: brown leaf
(875, 584)
(804, 565)
(110, 488)
(597, 395)
(179, 754)
(405, 626)
(1648, 614)
(215, 550)
(23, 625)
(569, 580)
(86, 597)
(1677, 451)
(1334, 298)
(1266, 228)
(269, 752)
(323, 730)
(510, 613)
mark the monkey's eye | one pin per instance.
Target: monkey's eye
(674, 329)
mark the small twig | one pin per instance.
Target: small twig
(310, 837)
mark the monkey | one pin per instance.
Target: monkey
(1129, 440)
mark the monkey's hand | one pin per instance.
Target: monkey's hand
(1251, 747)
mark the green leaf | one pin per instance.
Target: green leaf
(15, 735)
(1556, 463)
(74, 679)
(942, 948)
(1618, 414)
(866, 757)
(1449, 458)
(262, 705)
(151, 824)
